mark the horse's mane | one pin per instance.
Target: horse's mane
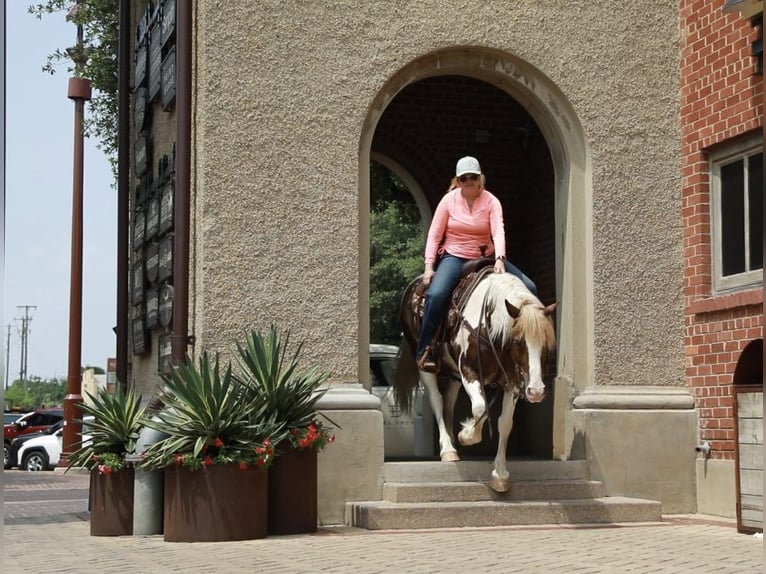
(531, 322)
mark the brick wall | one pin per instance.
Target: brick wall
(721, 100)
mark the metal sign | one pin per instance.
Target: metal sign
(137, 275)
(152, 263)
(164, 352)
(153, 217)
(168, 20)
(169, 80)
(139, 229)
(166, 206)
(165, 259)
(155, 56)
(140, 336)
(166, 305)
(152, 308)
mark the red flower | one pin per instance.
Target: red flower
(260, 462)
(218, 443)
(331, 439)
(208, 460)
(178, 458)
(243, 465)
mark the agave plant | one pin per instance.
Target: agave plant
(117, 421)
(270, 376)
(208, 420)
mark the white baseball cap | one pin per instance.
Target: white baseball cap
(467, 164)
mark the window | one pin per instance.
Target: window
(737, 209)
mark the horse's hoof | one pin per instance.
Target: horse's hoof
(500, 485)
(450, 456)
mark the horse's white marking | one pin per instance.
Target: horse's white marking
(446, 449)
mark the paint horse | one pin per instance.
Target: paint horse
(499, 333)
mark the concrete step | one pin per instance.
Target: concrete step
(385, 515)
(478, 491)
(480, 470)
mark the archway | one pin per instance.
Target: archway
(495, 106)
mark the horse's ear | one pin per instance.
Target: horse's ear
(512, 311)
(551, 309)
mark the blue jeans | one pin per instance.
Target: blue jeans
(443, 282)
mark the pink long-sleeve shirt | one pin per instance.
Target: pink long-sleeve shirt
(461, 231)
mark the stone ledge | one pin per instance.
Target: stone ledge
(634, 398)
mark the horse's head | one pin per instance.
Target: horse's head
(532, 336)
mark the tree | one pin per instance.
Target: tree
(396, 251)
(100, 38)
(34, 393)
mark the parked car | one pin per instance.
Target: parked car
(13, 452)
(36, 421)
(43, 452)
(405, 435)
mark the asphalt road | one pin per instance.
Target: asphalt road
(50, 496)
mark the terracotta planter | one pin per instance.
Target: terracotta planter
(111, 503)
(293, 493)
(215, 503)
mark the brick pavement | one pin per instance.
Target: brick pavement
(678, 545)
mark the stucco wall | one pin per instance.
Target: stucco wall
(282, 94)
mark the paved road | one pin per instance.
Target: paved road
(47, 530)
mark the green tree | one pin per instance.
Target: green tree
(396, 251)
(35, 393)
(100, 37)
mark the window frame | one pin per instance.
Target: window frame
(746, 279)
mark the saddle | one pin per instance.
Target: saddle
(470, 274)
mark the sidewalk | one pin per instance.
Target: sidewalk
(674, 547)
(680, 544)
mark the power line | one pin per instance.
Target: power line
(7, 355)
(25, 321)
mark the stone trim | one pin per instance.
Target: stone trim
(348, 397)
(634, 398)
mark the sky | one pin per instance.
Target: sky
(39, 125)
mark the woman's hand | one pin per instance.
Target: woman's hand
(428, 274)
(499, 266)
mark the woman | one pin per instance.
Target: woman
(467, 224)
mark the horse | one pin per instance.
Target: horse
(500, 335)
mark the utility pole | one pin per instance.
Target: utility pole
(7, 355)
(25, 320)
(79, 91)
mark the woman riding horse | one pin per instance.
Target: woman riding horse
(467, 224)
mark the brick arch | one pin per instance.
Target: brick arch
(529, 101)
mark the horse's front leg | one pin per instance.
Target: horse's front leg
(500, 478)
(447, 451)
(472, 428)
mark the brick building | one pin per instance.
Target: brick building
(722, 195)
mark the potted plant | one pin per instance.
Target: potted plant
(113, 433)
(270, 376)
(215, 455)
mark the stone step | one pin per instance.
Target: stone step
(385, 515)
(480, 470)
(478, 491)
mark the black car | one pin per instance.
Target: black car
(13, 451)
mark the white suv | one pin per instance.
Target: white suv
(44, 452)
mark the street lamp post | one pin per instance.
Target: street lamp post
(79, 91)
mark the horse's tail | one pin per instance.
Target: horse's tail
(406, 377)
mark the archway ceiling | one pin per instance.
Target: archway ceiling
(432, 123)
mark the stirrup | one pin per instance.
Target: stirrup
(426, 363)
